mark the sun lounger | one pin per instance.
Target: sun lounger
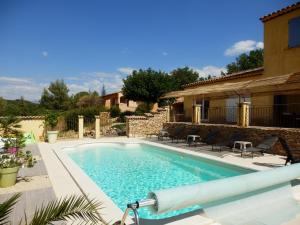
(293, 155)
(219, 142)
(176, 134)
(163, 134)
(160, 134)
(266, 145)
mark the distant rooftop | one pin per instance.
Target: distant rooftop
(280, 12)
(113, 93)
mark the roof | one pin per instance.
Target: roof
(280, 12)
(242, 87)
(114, 93)
(241, 74)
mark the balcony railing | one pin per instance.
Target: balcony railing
(223, 115)
(283, 115)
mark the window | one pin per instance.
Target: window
(123, 100)
(294, 32)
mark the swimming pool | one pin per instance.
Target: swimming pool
(128, 172)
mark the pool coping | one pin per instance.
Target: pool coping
(111, 212)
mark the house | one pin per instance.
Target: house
(273, 91)
(117, 99)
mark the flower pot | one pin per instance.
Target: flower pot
(8, 176)
(52, 136)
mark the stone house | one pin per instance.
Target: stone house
(273, 91)
(117, 99)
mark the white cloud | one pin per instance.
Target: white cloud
(242, 47)
(165, 53)
(13, 79)
(209, 70)
(126, 70)
(13, 87)
(260, 45)
(45, 53)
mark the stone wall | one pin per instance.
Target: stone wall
(140, 126)
(253, 134)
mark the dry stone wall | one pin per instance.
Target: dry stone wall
(253, 134)
(150, 123)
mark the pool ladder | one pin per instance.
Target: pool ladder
(134, 207)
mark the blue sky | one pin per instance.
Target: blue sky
(90, 43)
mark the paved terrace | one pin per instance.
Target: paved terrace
(35, 186)
(258, 162)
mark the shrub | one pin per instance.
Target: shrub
(123, 114)
(143, 108)
(89, 113)
(51, 120)
(120, 128)
(115, 111)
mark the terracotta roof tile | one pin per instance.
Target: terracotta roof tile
(280, 12)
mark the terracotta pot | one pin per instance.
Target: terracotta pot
(8, 176)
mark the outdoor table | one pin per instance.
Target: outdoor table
(163, 134)
(242, 145)
(194, 139)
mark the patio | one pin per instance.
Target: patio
(35, 186)
(258, 162)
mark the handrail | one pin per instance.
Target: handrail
(134, 207)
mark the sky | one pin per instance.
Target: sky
(95, 42)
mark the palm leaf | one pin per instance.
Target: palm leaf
(71, 208)
(6, 208)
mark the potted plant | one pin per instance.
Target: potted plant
(10, 164)
(9, 167)
(51, 122)
(13, 143)
(12, 158)
(10, 130)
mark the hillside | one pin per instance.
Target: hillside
(20, 107)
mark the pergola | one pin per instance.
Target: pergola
(277, 84)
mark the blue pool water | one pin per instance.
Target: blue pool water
(128, 172)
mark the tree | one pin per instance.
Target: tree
(182, 76)
(2, 106)
(56, 96)
(71, 209)
(89, 100)
(103, 91)
(79, 95)
(146, 85)
(252, 60)
(9, 126)
(23, 107)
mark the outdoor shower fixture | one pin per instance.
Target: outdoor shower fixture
(243, 195)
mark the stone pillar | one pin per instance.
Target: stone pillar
(97, 127)
(244, 114)
(80, 127)
(196, 114)
(168, 112)
(127, 127)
